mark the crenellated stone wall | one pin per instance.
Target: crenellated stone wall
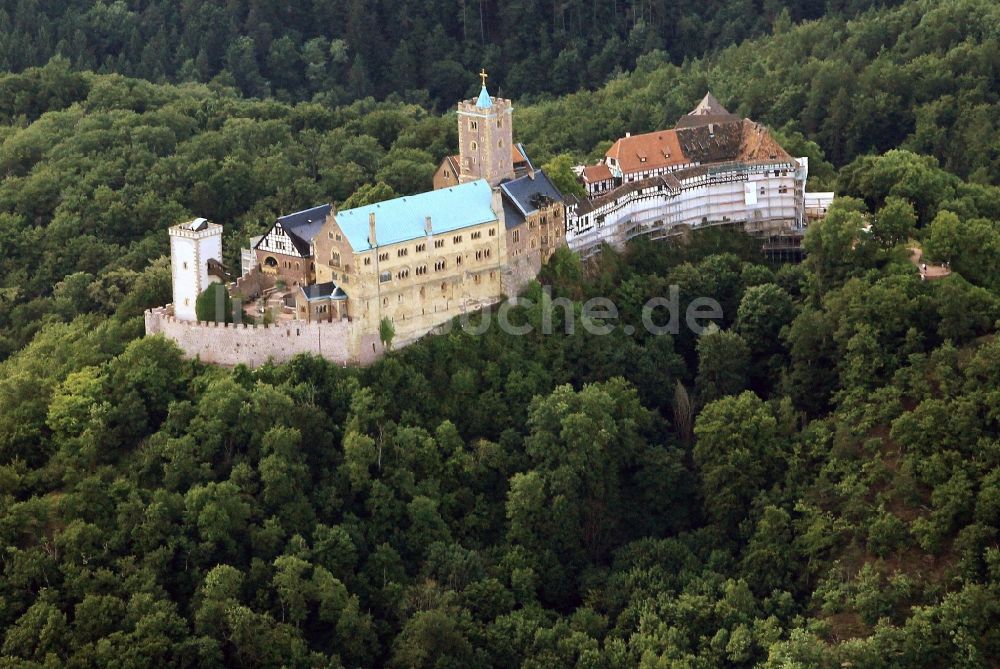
(253, 345)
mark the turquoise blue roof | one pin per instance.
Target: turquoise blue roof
(402, 219)
(484, 101)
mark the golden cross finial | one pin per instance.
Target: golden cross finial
(483, 75)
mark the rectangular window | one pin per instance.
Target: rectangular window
(458, 260)
(517, 236)
(385, 276)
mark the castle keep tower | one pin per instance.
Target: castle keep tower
(485, 138)
(192, 247)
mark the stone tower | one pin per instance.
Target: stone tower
(485, 138)
(192, 246)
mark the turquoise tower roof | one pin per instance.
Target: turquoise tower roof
(484, 101)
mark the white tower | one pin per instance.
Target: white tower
(192, 245)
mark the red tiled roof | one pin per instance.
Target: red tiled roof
(595, 173)
(757, 144)
(651, 151)
(701, 143)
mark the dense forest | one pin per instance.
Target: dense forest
(813, 483)
(336, 51)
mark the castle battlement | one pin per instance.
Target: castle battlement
(251, 344)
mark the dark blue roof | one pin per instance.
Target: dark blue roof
(512, 216)
(526, 195)
(323, 291)
(303, 226)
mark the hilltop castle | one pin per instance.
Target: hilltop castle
(327, 282)
(329, 279)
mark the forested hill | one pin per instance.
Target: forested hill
(814, 484)
(339, 50)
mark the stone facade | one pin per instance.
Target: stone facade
(531, 244)
(253, 345)
(293, 270)
(447, 173)
(417, 284)
(354, 271)
(485, 138)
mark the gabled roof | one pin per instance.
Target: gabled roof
(518, 154)
(712, 142)
(453, 163)
(402, 218)
(323, 291)
(596, 173)
(650, 151)
(302, 227)
(756, 144)
(526, 195)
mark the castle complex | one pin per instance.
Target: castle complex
(334, 282)
(712, 168)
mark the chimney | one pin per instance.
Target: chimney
(497, 204)
(428, 228)
(628, 134)
(371, 230)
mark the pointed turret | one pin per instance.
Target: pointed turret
(709, 105)
(483, 101)
(709, 110)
